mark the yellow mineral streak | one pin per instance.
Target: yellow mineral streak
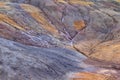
(61, 1)
(118, 0)
(112, 50)
(6, 19)
(3, 5)
(81, 2)
(91, 76)
(37, 15)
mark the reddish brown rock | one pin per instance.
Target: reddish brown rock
(79, 25)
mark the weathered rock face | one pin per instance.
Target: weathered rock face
(87, 25)
(91, 27)
(19, 23)
(20, 62)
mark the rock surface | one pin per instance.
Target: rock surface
(87, 26)
(90, 27)
(92, 76)
(20, 62)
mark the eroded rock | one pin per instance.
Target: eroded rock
(90, 27)
(20, 62)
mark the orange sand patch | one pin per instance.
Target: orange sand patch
(79, 25)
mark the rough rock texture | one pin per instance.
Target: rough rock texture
(90, 27)
(23, 25)
(20, 62)
(87, 26)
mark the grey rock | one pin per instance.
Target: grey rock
(21, 62)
